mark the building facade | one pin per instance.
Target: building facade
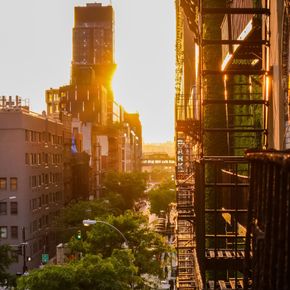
(242, 88)
(110, 136)
(31, 173)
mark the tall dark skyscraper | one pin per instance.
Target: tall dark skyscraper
(93, 44)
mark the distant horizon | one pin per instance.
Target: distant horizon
(35, 55)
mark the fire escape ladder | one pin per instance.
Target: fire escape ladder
(185, 246)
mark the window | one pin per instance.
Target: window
(46, 179)
(34, 204)
(27, 135)
(14, 232)
(46, 220)
(33, 181)
(3, 183)
(33, 158)
(3, 208)
(27, 159)
(13, 183)
(3, 232)
(13, 207)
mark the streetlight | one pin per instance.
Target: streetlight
(8, 198)
(93, 222)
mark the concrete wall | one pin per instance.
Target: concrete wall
(46, 197)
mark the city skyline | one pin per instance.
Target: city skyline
(37, 46)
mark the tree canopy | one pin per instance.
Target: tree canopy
(146, 245)
(107, 262)
(124, 189)
(161, 196)
(91, 272)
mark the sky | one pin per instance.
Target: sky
(36, 52)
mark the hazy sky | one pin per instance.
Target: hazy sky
(36, 48)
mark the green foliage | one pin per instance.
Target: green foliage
(247, 116)
(73, 214)
(5, 260)
(102, 266)
(71, 217)
(214, 115)
(161, 196)
(124, 189)
(49, 278)
(147, 246)
(91, 272)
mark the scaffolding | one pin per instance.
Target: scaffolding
(212, 174)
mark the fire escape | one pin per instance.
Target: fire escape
(238, 93)
(186, 137)
(212, 173)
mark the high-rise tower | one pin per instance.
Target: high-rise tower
(93, 44)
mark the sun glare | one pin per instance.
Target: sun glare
(145, 58)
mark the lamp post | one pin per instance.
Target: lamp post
(8, 198)
(93, 222)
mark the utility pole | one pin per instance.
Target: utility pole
(24, 250)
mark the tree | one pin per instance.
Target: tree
(147, 246)
(124, 189)
(51, 277)
(91, 272)
(71, 217)
(6, 279)
(161, 196)
(74, 214)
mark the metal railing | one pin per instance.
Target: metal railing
(268, 221)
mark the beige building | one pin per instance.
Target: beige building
(31, 172)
